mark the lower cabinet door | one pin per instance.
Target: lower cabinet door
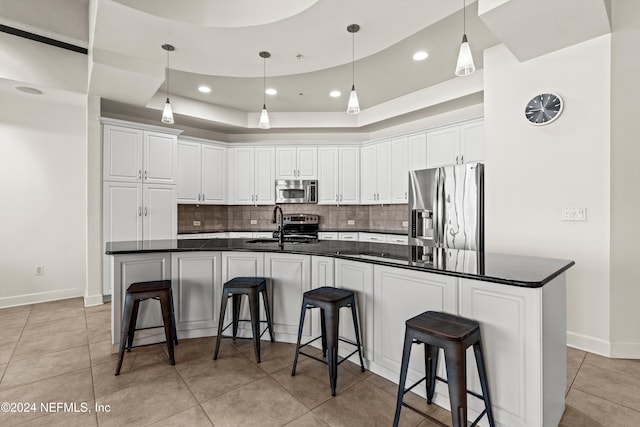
(197, 286)
(400, 295)
(358, 277)
(139, 268)
(290, 278)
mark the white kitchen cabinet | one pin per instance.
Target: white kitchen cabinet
(456, 145)
(399, 170)
(197, 288)
(417, 152)
(240, 234)
(348, 236)
(252, 177)
(397, 239)
(137, 155)
(221, 235)
(290, 276)
(399, 295)
(376, 173)
(136, 212)
(327, 235)
(297, 162)
(372, 237)
(358, 277)
(527, 379)
(202, 173)
(338, 175)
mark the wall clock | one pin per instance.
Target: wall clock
(543, 109)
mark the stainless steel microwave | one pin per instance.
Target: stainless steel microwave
(296, 191)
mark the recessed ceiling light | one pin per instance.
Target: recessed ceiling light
(420, 56)
(271, 91)
(204, 89)
(334, 93)
(30, 90)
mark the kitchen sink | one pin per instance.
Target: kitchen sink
(287, 241)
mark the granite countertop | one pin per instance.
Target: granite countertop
(515, 270)
(261, 230)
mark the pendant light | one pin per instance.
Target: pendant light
(167, 114)
(353, 107)
(465, 65)
(264, 116)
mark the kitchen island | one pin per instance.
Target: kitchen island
(519, 301)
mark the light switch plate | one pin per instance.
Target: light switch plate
(350, 222)
(254, 221)
(196, 223)
(574, 214)
(405, 223)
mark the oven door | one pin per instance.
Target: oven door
(291, 191)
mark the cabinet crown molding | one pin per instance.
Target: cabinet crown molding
(141, 126)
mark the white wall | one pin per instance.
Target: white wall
(625, 177)
(534, 171)
(43, 218)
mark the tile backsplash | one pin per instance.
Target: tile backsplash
(214, 218)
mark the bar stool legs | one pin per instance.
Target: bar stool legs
(329, 300)
(140, 291)
(252, 287)
(454, 335)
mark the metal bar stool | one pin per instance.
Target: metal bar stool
(136, 292)
(329, 300)
(454, 335)
(251, 287)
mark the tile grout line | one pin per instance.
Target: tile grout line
(14, 350)
(93, 385)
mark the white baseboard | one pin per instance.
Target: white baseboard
(93, 300)
(590, 344)
(41, 297)
(624, 350)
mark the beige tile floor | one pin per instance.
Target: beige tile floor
(60, 352)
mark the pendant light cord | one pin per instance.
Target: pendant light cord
(264, 81)
(167, 73)
(464, 17)
(353, 59)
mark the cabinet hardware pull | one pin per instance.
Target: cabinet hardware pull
(145, 175)
(145, 211)
(341, 197)
(405, 194)
(139, 210)
(462, 159)
(457, 160)
(203, 197)
(139, 174)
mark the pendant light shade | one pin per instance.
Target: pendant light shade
(353, 107)
(465, 65)
(167, 113)
(264, 116)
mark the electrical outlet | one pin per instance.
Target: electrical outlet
(254, 221)
(574, 214)
(39, 270)
(196, 223)
(405, 223)
(351, 222)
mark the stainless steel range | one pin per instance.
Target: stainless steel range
(300, 227)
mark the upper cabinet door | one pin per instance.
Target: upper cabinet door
(328, 175)
(243, 175)
(399, 170)
(443, 147)
(265, 178)
(307, 162)
(214, 174)
(160, 158)
(286, 167)
(189, 173)
(383, 171)
(368, 175)
(122, 154)
(348, 175)
(417, 152)
(472, 142)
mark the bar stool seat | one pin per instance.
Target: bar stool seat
(251, 287)
(329, 300)
(140, 291)
(454, 334)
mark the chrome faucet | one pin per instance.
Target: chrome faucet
(280, 225)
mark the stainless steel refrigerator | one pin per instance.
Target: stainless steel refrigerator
(446, 207)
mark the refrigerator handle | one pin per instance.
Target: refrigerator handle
(438, 231)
